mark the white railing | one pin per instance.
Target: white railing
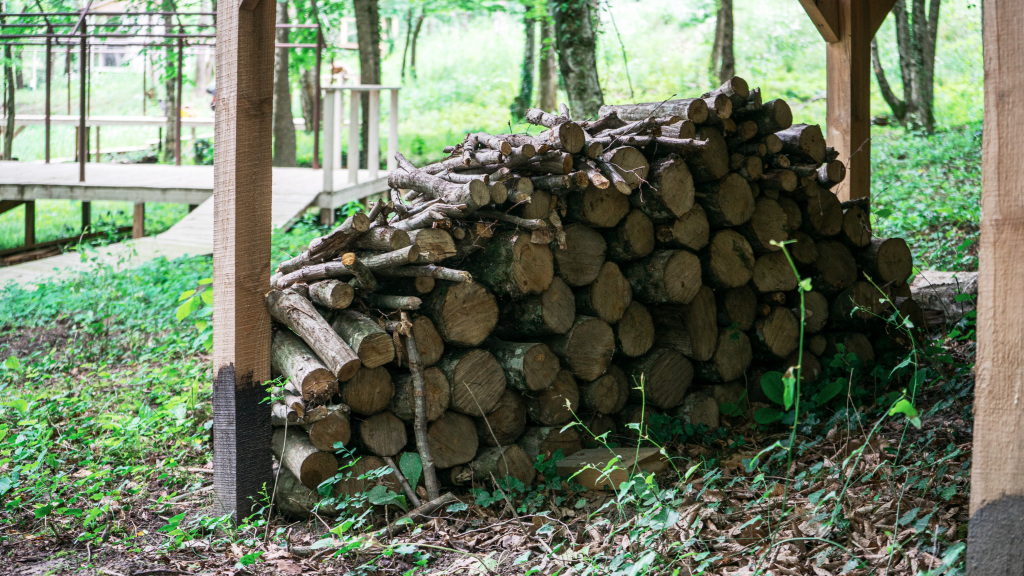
(333, 116)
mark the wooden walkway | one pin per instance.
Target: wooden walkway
(294, 190)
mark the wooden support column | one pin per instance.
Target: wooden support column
(30, 223)
(241, 252)
(86, 215)
(848, 27)
(139, 220)
(995, 542)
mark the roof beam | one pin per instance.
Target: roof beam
(825, 16)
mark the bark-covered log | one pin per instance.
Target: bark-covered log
(663, 377)
(434, 244)
(803, 249)
(331, 294)
(823, 215)
(587, 347)
(436, 394)
(772, 116)
(634, 333)
(794, 215)
(464, 314)
(767, 224)
(729, 261)
(452, 439)
(511, 265)
(552, 312)
(564, 134)
(298, 314)
(607, 297)
(693, 109)
(608, 394)
(476, 380)
(815, 312)
(306, 374)
(633, 238)
(779, 180)
(505, 423)
(434, 187)
(665, 276)
(547, 441)
(690, 329)
(369, 391)
(383, 434)
(888, 260)
(836, 269)
(327, 247)
(529, 367)
(671, 190)
(597, 207)
(580, 260)
(732, 357)
(737, 307)
(371, 342)
(556, 404)
(332, 429)
(699, 408)
(778, 333)
(773, 273)
(296, 453)
(803, 142)
(856, 228)
(382, 238)
(691, 230)
(499, 462)
(728, 202)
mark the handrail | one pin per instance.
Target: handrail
(333, 114)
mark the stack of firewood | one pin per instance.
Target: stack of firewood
(529, 280)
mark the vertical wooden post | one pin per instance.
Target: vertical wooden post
(327, 214)
(393, 130)
(86, 215)
(30, 223)
(139, 220)
(995, 542)
(373, 136)
(177, 115)
(83, 136)
(241, 252)
(353, 137)
(316, 97)
(49, 74)
(98, 144)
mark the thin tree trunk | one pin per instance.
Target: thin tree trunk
(368, 33)
(284, 124)
(173, 107)
(916, 36)
(8, 104)
(548, 66)
(523, 101)
(577, 60)
(408, 40)
(723, 62)
(415, 38)
(307, 91)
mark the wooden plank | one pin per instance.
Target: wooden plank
(848, 98)
(590, 469)
(997, 493)
(86, 215)
(825, 16)
(30, 223)
(879, 11)
(8, 205)
(241, 252)
(139, 220)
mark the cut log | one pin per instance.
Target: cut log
(547, 442)
(608, 295)
(296, 453)
(294, 500)
(794, 215)
(434, 244)
(690, 329)
(597, 207)
(728, 202)
(699, 409)
(383, 239)
(773, 273)
(803, 250)
(329, 246)
(733, 355)
(671, 190)
(549, 313)
(767, 224)
(436, 394)
(816, 343)
(719, 110)
(529, 367)
(859, 305)
(452, 439)
(476, 380)
(371, 342)
(506, 423)
(389, 303)
(778, 333)
(803, 142)
(823, 215)
(298, 314)
(331, 294)
(663, 376)
(693, 109)
(433, 187)
(428, 341)
(630, 163)
(815, 312)
(369, 391)
(383, 434)
(856, 227)
(464, 314)
(539, 205)
(608, 394)
(556, 404)
(333, 429)
(888, 260)
(306, 374)
(737, 308)
(773, 116)
(634, 334)
(779, 180)
(633, 238)
(835, 266)
(691, 231)
(729, 261)
(564, 135)
(511, 265)
(587, 347)
(736, 89)
(499, 463)
(580, 260)
(707, 162)
(665, 276)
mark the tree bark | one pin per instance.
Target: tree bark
(291, 358)
(550, 313)
(368, 36)
(372, 344)
(296, 453)
(284, 124)
(172, 106)
(548, 76)
(723, 62)
(577, 55)
(529, 367)
(524, 99)
(298, 314)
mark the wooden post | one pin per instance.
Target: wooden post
(316, 97)
(97, 144)
(49, 74)
(373, 138)
(995, 542)
(30, 223)
(83, 136)
(177, 115)
(848, 27)
(353, 137)
(86, 215)
(241, 252)
(393, 130)
(327, 214)
(139, 220)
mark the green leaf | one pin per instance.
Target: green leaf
(767, 415)
(186, 294)
(205, 281)
(805, 285)
(948, 492)
(457, 507)
(207, 297)
(828, 391)
(188, 307)
(382, 496)
(774, 389)
(789, 389)
(412, 467)
(12, 363)
(903, 406)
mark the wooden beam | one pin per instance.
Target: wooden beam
(139, 220)
(8, 205)
(241, 252)
(848, 97)
(30, 223)
(825, 16)
(995, 542)
(879, 11)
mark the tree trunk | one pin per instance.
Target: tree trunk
(173, 107)
(408, 40)
(415, 39)
(577, 55)
(916, 36)
(284, 124)
(723, 62)
(9, 108)
(368, 35)
(307, 95)
(548, 66)
(523, 101)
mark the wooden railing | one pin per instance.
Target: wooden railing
(333, 115)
